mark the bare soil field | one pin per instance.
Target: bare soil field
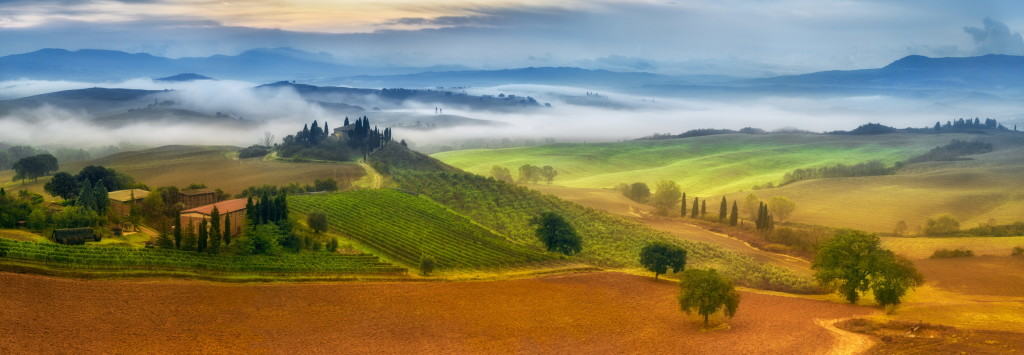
(922, 338)
(580, 313)
(980, 275)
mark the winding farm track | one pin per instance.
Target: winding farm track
(847, 342)
(580, 313)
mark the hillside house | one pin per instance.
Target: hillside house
(228, 209)
(121, 201)
(193, 198)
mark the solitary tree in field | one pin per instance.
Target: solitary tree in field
(317, 221)
(852, 262)
(426, 265)
(734, 218)
(705, 292)
(666, 197)
(723, 210)
(557, 234)
(658, 257)
(781, 207)
(901, 228)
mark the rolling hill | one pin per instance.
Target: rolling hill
(711, 166)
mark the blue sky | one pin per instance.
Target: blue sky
(748, 38)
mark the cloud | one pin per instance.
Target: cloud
(995, 38)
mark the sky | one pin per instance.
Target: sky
(725, 37)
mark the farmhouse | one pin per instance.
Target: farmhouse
(121, 201)
(229, 209)
(193, 198)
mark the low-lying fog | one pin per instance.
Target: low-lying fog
(576, 114)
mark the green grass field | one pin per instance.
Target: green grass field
(213, 166)
(402, 226)
(922, 248)
(701, 165)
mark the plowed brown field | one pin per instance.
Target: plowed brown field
(582, 313)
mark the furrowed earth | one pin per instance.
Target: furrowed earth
(580, 313)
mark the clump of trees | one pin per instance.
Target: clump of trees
(254, 151)
(943, 225)
(34, 167)
(870, 168)
(659, 257)
(666, 198)
(952, 253)
(636, 191)
(955, 150)
(501, 173)
(854, 262)
(557, 234)
(706, 292)
(534, 174)
(316, 142)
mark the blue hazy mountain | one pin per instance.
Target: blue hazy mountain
(331, 97)
(104, 65)
(183, 77)
(983, 72)
(533, 75)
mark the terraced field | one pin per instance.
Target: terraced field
(404, 227)
(112, 259)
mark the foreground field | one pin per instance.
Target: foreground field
(583, 313)
(214, 166)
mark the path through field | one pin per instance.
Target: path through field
(580, 313)
(847, 342)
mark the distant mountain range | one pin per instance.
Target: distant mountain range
(979, 77)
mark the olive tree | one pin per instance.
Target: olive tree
(706, 292)
(853, 262)
(658, 257)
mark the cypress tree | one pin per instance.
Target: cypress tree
(250, 211)
(203, 233)
(703, 208)
(214, 242)
(86, 197)
(227, 229)
(696, 208)
(734, 218)
(760, 213)
(283, 206)
(102, 199)
(682, 210)
(177, 232)
(723, 210)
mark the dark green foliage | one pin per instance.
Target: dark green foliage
(765, 222)
(682, 208)
(63, 185)
(86, 196)
(332, 245)
(636, 191)
(658, 257)
(164, 241)
(994, 230)
(530, 174)
(723, 210)
(706, 292)
(177, 233)
(852, 262)
(696, 208)
(214, 235)
(204, 234)
(261, 240)
(110, 178)
(734, 218)
(943, 225)
(102, 200)
(74, 236)
(12, 210)
(313, 142)
(557, 234)
(501, 173)
(871, 168)
(75, 217)
(703, 208)
(253, 151)
(35, 166)
(549, 173)
(426, 265)
(952, 253)
(227, 231)
(955, 150)
(317, 221)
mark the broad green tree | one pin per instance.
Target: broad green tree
(659, 257)
(557, 234)
(317, 221)
(501, 173)
(706, 292)
(781, 207)
(666, 198)
(853, 262)
(63, 185)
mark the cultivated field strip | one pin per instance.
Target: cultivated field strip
(405, 227)
(122, 258)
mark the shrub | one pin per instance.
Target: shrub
(952, 253)
(1017, 251)
(253, 151)
(943, 225)
(317, 221)
(426, 265)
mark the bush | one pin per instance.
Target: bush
(253, 151)
(952, 253)
(317, 221)
(1017, 251)
(636, 191)
(426, 265)
(943, 225)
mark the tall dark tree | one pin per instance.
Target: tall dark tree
(215, 235)
(682, 208)
(734, 217)
(227, 229)
(204, 233)
(723, 210)
(86, 196)
(696, 208)
(177, 233)
(703, 208)
(102, 198)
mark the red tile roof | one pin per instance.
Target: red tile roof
(223, 207)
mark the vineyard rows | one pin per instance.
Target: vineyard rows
(124, 258)
(405, 227)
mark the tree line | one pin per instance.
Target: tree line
(527, 174)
